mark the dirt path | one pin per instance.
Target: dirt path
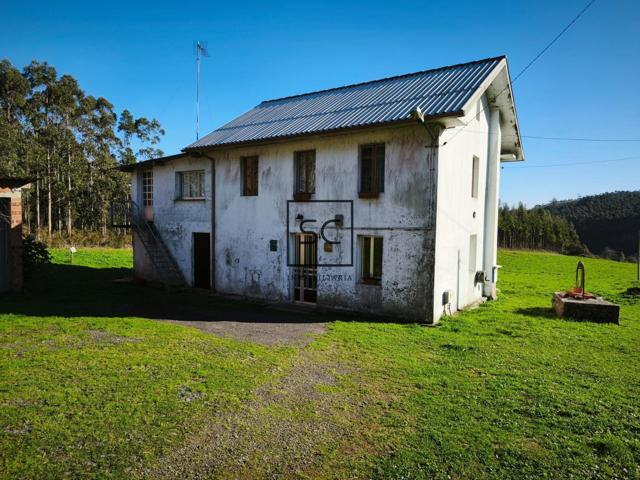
(281, 433)
(267, 333)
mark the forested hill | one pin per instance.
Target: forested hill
(606, 221)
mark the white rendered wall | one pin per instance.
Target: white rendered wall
(245, 225)
(455, 221)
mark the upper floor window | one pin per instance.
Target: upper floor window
(475, 177)
(147, 188)
(371, 170)
(305, 172)
(249, 172)
(190, 185)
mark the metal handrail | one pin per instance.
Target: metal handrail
(139, 222)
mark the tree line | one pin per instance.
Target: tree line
(608, 223)
(537, 229)
(70, 144)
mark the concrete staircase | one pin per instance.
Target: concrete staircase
(164, 263)
(127, 214)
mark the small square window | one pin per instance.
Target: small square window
(190, 185)
(371, 260)
(249, 171)
(371, 170)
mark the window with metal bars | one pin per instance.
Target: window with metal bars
(371, 170)
(190, 185)
(147, 188)
(371, 260)
(305, 172)
(249, 171)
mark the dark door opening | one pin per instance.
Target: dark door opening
(201, 260)
(5, 225)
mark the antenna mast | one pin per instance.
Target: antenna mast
(201, 51)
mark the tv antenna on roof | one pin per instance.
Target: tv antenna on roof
(201, 51)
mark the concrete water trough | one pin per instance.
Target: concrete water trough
(595, 309)
(579, 304)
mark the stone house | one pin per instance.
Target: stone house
(379, 197)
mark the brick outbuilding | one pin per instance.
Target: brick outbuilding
(11, 271)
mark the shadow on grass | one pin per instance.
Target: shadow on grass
(77, 291)
(545, 312)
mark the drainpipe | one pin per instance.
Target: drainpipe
(434, 130)
(492, 195)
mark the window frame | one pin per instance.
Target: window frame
(473, 253)
(377, 174)
(147, 188)
(371, 261)
(244, 191)
(180, 183)
(475, 177)
(305, 157)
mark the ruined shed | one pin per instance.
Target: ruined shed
(11, 272)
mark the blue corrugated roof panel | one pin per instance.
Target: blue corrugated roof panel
(438, 92)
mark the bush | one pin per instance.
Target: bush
(34, 255)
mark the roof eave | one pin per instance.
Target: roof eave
(333, 131)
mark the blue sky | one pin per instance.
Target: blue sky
(140, 56)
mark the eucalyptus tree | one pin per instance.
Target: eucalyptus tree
(70, 143)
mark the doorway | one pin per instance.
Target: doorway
(305, 272)
(201, 260)
(5, 225)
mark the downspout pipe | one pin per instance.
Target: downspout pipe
(491, 204)
(431, 297)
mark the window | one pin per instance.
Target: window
(190, 185)
(473, 253)
(249, 171)
(305, 172)
(371, 260)
(147, 188)
(371, 170)
(474, 177)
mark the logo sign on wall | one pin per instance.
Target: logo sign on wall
(323, 226)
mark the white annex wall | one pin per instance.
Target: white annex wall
(459, 215)
(175, 219)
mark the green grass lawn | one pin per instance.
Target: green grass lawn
(503, 391)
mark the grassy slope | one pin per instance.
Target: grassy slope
(504, 391)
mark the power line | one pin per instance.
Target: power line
(569, 139)
(508, 85)
(562, 32)
(568, 164)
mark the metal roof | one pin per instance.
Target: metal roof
(14, 182)
(438, 92)
(150, 163)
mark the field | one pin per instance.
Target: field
(90, 387)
